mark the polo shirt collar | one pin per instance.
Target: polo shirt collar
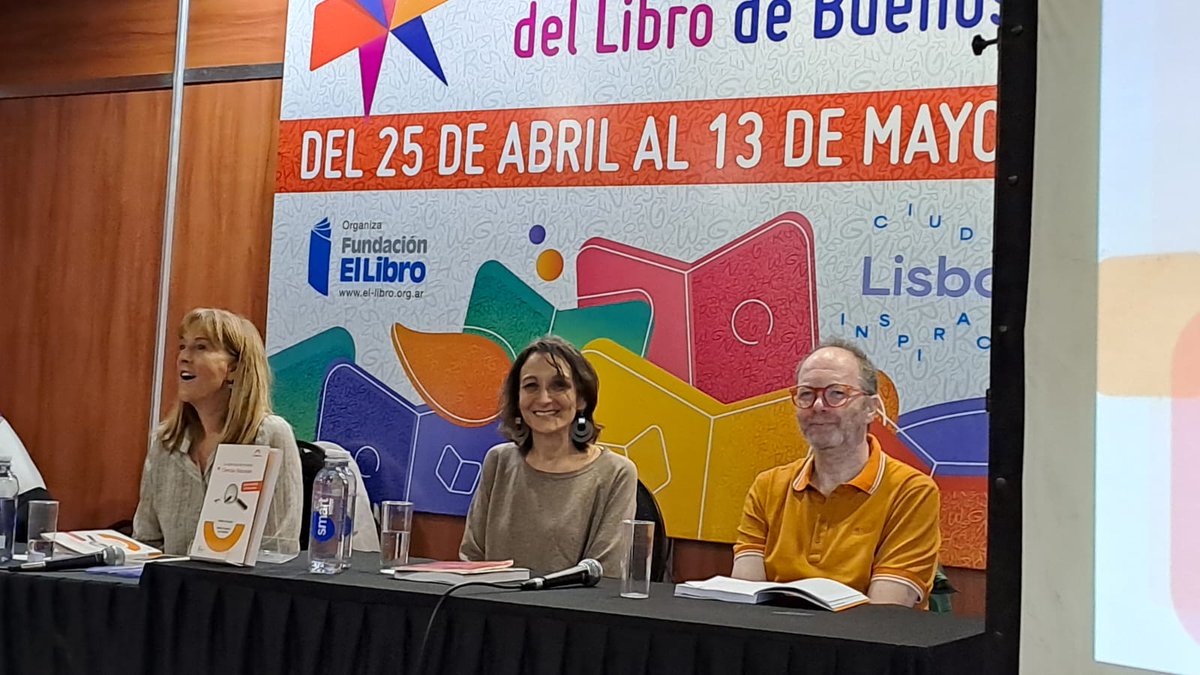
(867, 480)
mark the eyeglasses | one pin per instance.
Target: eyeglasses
(833, 396)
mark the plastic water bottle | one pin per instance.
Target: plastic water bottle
(330, 531)
(9, 489)
(351, 502)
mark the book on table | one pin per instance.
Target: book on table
(461, 571)
(85, 542)
(822, 593)
(241, 485)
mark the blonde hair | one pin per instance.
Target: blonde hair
(250, 395)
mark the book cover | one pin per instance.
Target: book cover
(465, 567)
(240, 486)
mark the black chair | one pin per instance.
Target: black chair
(312, 460)
(660, 558)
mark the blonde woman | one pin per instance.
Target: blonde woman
(224, 397)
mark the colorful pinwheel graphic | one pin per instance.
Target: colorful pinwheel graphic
(340, 26)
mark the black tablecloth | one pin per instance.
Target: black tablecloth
(278, 619)
(70, 623)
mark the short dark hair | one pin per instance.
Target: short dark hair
(867, 372)
(583, 376)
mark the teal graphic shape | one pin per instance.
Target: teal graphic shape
(299, 373)
(510, 313)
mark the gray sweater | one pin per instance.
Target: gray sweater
(173, 490)
(550, 521)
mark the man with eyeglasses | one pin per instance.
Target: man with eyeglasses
(847, 511)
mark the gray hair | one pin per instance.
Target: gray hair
(867, 372)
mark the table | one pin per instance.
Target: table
(70, 623)
(206, 619)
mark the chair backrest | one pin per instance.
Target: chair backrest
(312, 460)
(647, 509)
(366, 531)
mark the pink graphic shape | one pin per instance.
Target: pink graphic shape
(1185, 472)
(733, 323)
(370, 61)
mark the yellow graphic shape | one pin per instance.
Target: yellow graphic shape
(216, 542)
(550, 265)
(891, 397)
(456, 374)
(1145, 302)
(698, 455)
(407, 10)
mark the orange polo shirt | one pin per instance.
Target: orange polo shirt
(883, 524)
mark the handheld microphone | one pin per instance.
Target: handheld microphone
(109, 555)
(586, 573)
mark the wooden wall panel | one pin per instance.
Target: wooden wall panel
(236, 32)
(224, 205)
(64, 41)
(81, 203)
(58, 41)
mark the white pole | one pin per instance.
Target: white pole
(168, 239)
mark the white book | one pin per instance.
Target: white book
(823, 593)
(451, 578)
(83, 542)
(241, 485)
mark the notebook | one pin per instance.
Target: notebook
(823, 593)
(460, 571)
(240, 487)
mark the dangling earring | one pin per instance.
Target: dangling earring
(582, 431)
(520, 433)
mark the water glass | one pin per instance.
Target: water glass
(635, 577)
(43, 525)
(395, 531)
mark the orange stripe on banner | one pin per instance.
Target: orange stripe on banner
(252, 486)
(927, 134)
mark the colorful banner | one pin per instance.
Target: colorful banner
(694, 193)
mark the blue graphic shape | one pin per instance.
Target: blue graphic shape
(375, 9)
(951, 437)
(403, 450)
(537, 234)
(319, 244)
(415, 36)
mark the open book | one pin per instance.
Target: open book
(83, 542)
(823, 593)
(459, 571)
(240, 487)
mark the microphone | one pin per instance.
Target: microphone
(586, 573)
(109, 555)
